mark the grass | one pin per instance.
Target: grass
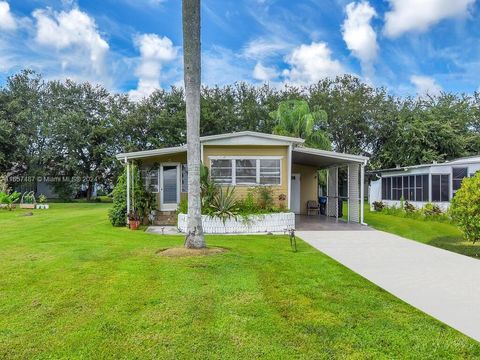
(444, 235)
(71, 287)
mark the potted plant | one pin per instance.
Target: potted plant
(42, 199)
(133, 220)
(28, 200)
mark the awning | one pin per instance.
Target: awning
(324, 158)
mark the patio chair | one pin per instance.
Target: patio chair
(313, 207)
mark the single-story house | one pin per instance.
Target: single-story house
(422, 184)
(248, 159)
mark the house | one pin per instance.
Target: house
(248, 159)
(421, 184)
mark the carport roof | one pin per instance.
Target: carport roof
(324, 158)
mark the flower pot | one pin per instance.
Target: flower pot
(27, 206)
(39, 206)
(46, 206)
(134, 224)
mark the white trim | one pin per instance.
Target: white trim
(288, 139)
(331, 154)
(348, 193)
(257, 171)
(362, 193)
(169, 207)
(128, 185)
(289, 178)
(150, 153)
(241, 157)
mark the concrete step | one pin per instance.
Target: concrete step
(166, 218)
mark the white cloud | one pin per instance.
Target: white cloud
(262, 48)
(310, 63)
(264, 73)
(358, 33)
(419, 15)
(7, 21)
(425, 85)
(155, 51)
(75, 35)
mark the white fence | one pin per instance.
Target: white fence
(276, 222)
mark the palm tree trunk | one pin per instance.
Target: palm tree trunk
(191, 60)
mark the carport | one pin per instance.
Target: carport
(345, 182)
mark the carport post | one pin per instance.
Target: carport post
(128, 185)
(362, 185)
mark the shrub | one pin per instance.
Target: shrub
(431, 210)
(224, 204)
(378, 205)
(142, 201)
(465, 208)
(264, 194)
(208, 188)
(409, 207)
(9, 199)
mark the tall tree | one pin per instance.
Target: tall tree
(294, 118)
(192, 64)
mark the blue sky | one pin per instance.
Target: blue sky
(409, 46)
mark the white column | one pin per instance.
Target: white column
(348, 192)
(128, 185)
(362, 190)
(289, 176)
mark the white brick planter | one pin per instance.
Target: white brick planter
(275, 222)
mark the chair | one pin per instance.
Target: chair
(313, 207)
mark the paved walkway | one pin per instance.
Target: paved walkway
(441, 283)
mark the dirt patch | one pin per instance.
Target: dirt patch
(183, 252)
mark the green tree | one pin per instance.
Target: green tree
(294, 118)
(465, 208)
(83, 135)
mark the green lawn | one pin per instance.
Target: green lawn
(440, 234)
(71, 286)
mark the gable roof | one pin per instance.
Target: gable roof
(290, 139)
(221, 139)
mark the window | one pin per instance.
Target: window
(246, 171)
(421, 188)
(440, 188)
(150, 179)
(270, 172)
(221, 171)
(458, 174)
(411, 188)
(397, 188)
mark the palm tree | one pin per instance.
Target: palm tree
(294, 118)
(191, 59)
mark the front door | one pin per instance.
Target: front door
(295, 196)
(169, 187)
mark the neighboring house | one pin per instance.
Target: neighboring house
(248, 159)
(421, 184)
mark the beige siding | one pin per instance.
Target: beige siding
(308, 184)
(242, 190)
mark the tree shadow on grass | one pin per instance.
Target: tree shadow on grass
(458, 245)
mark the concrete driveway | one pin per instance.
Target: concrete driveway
(441, 283)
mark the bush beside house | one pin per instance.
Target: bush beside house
(465, 208)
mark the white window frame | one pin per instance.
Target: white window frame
(246, 157)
